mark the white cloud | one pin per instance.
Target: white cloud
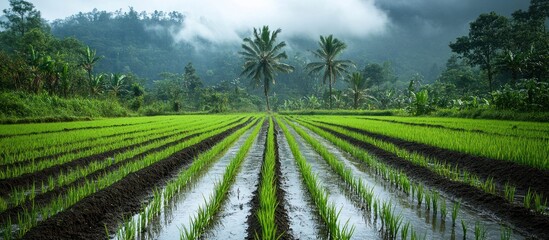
(224, 21)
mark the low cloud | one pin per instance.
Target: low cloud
(228, 21)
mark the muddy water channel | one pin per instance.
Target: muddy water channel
(232, 217)
(351, 210)
(178, 214)
(426, 223)
(303, 217)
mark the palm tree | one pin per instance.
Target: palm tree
(329, 49)
(357, 86)
(87, 61)
(262, 57)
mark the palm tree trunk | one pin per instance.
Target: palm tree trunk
(267, 100)
(330, 96)
(356, 100)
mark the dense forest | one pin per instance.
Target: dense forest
(131, 59)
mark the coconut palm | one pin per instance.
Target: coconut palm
(263, 57)
(328, 51)
(357, 87)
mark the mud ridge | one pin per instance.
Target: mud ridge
(281, 213)
(88, 218)
(252, 221)
(527, 222)
(523, 177)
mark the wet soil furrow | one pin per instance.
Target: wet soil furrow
(7, 185)
(254, 227)
(523, 177)
(281, 213)
(524, 220)
(90, 217)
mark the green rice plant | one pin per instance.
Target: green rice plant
(7, 230)
(464, 228)
(434, 200)
(539, 205)
(443, 211)
(267, 189)
(528, 199)
(419, 194)
(404, 231)
(455, 210)
(428, 201)
(506, 233)
(489, 186)
(480, 231)
(509, 192)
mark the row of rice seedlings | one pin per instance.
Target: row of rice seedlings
(14, 130)
(490, 127)
(327, 211)
(24, 150)
(356, 184)
(21, 152)
(75, 194)
(19, 196)
(529, 152)
(534, 201)
(267, 190)
(205, 216)
(18, 170)
(395, 177)
(445, 170)
(175, 186)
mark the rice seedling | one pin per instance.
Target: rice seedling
(509, 192)
(528, 199)
(506, 233)
(480, 231)
(443, 211)
(455, 210)
(464, 228)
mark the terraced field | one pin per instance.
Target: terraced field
(268, 177)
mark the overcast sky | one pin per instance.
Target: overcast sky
(224, 20)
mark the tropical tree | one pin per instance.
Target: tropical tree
(117, 82)
(357, 87)
(88, 59)
(96, 84)
(485, 41)
(328, 51)
(263, 59)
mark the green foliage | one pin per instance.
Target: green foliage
(527, 95)
(25, 105)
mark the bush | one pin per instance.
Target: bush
(20, 105)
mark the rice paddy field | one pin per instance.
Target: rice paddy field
(256, 176)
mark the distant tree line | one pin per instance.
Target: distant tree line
(502, 63)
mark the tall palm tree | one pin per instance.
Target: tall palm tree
(263, 57)
(329, 49)
(357, 86)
